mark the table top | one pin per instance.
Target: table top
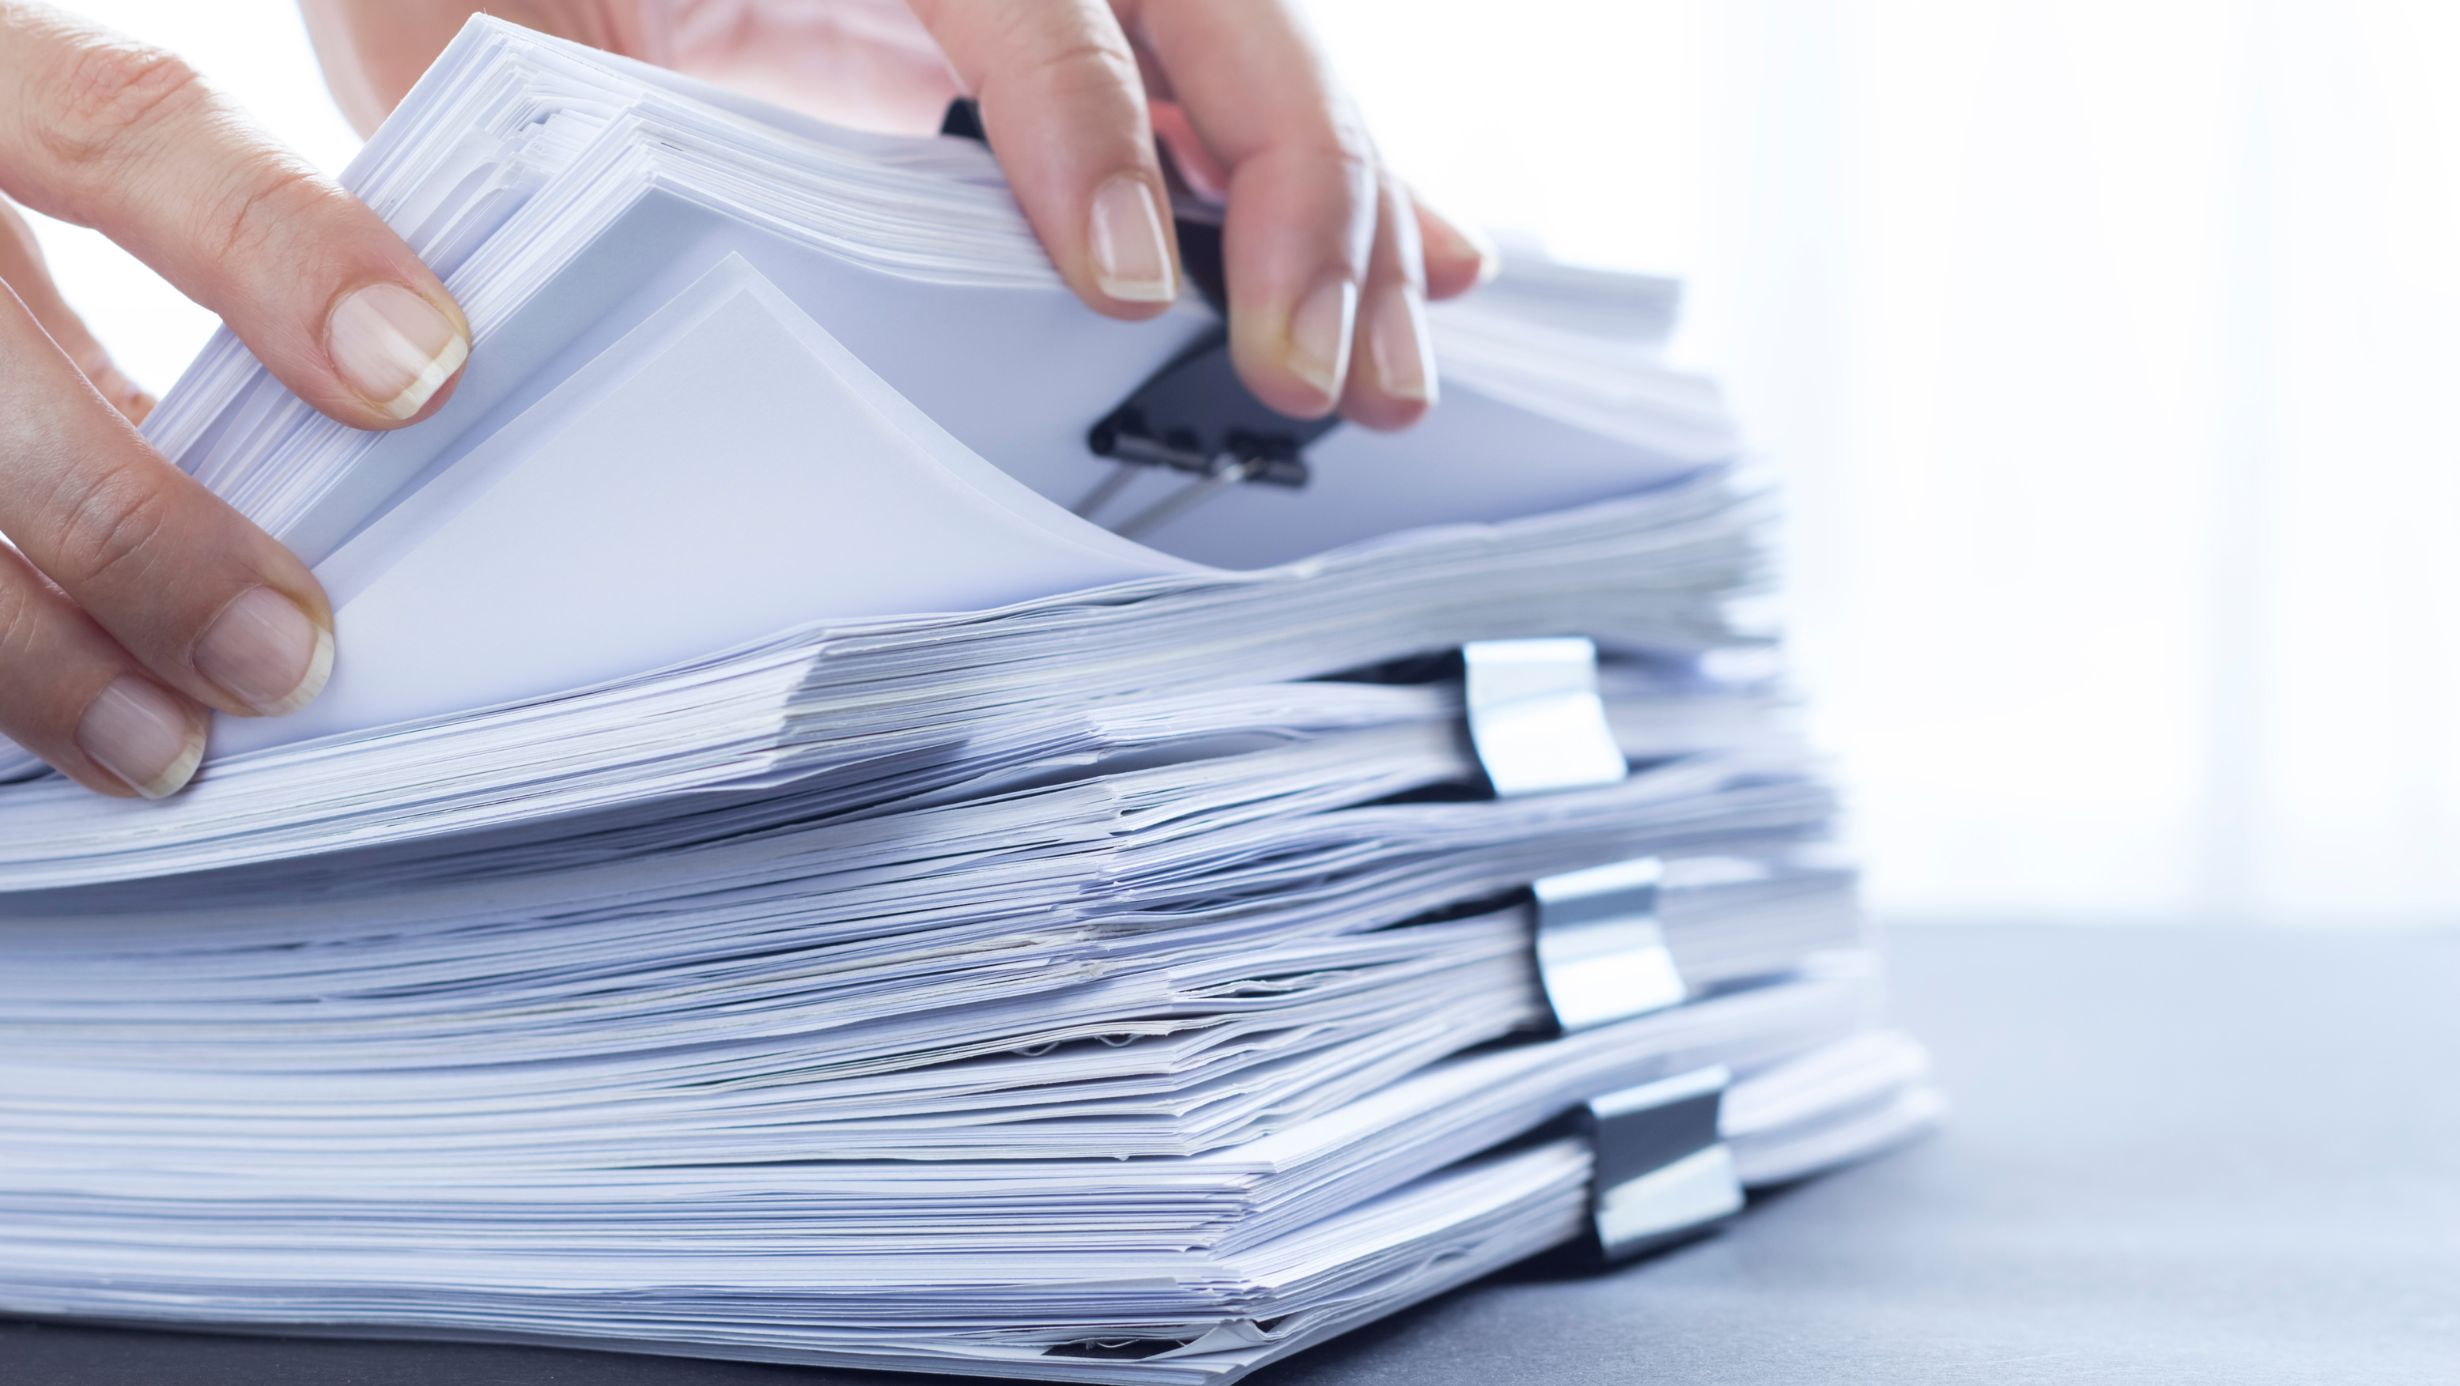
(2172, 1155)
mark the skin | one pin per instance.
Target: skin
(123, 565)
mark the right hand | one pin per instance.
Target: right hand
(135, 602)
(1329, 257)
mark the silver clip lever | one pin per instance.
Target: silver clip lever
(1536, 718)
(1537, 722)
(1663, 1172)
(1601, 955)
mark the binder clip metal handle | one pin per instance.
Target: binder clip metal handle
(1662, 1171)
(1536, 719)
(1194, 416)
(1601, 954)
(1537, 723)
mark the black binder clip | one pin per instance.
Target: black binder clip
(1193, 416)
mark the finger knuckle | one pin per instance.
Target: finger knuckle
(20, 624)
(1331, 153)
(251, 212)
(105, 95)
(1344, 143)
(111, 534)
(1085, 64)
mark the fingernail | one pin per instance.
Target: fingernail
(394, 347)
(266, 652)
(1461, 241)
(1320, 335)
(143, 735)
(1131, 258)
(1399, 346)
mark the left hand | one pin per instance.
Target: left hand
(1329, 261)
(133, 601)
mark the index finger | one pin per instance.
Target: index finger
(204, 600)
(1301, 211)
(127, 139)
(1064, 105)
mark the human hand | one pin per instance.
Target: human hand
(1329, 262)
(135, 602)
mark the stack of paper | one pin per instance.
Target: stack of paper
(771, 879)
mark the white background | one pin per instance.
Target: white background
(2114, 349)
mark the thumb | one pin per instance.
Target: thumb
(126, 139)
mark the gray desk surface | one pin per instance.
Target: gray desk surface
(2174, 1156)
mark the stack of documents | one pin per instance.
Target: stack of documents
(804, 860)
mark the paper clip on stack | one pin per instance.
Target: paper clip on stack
(1662, 1169)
